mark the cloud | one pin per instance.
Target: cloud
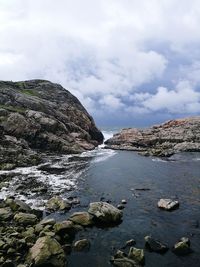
(119, 58)
(183, 99)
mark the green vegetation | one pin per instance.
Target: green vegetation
(13, 109)
(29, 92)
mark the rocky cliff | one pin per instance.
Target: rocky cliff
(160, 140)
(39, 116)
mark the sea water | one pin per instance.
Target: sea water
(111, 176)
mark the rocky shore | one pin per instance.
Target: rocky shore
(29, 238)
(37, 117)
(164, 140)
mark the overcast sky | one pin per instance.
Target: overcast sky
(129, 62)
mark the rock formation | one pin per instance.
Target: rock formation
(163, 140)
(40, 116)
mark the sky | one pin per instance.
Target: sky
(129, 62)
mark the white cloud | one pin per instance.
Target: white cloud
(104, 51)
(183, 99)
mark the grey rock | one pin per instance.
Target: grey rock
(82, 218)
(168, 204)
(182, 247)
(137, 255)
(120, 259)
(81, 245)
(46, 251)
(17, 205)
(105, 212)
(57, 203)
(162, 140)
(155, 245)
(25, 218)
(40, 116)
(5, 214)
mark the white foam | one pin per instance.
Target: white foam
(159, 160)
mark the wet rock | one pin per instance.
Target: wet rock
(168, 204)
(65, 227)
(48, 221)
(123, 201)
(5, 214)
(155, 245)
(57, 203)
(120, 259)
(182, 247)
(47, 252)
(137, 255)
(120, 206)
(82, 218)
(81, 245)
(25, 218)
(105, 213)
(17, 205)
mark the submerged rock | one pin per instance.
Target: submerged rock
(81, 245)
(162, 140)
(182, 247)
(47, 252)
(39, 116)
(104, 212)
(168, 204)
(155, 245)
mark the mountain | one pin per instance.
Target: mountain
(38, 116)
(162, 140)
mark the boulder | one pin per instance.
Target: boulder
(5, 214)
(182, 247)
(57, 203)
(120, 259)
(17, 205)
(155, 245)
(168, 204)
(105, 213)
(25, 218)
(82, 218)
(137, 255)
(47, 252)
(65, 227)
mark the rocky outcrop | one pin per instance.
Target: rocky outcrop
(163, 140)
(40, 116)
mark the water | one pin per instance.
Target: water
(113, 176)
